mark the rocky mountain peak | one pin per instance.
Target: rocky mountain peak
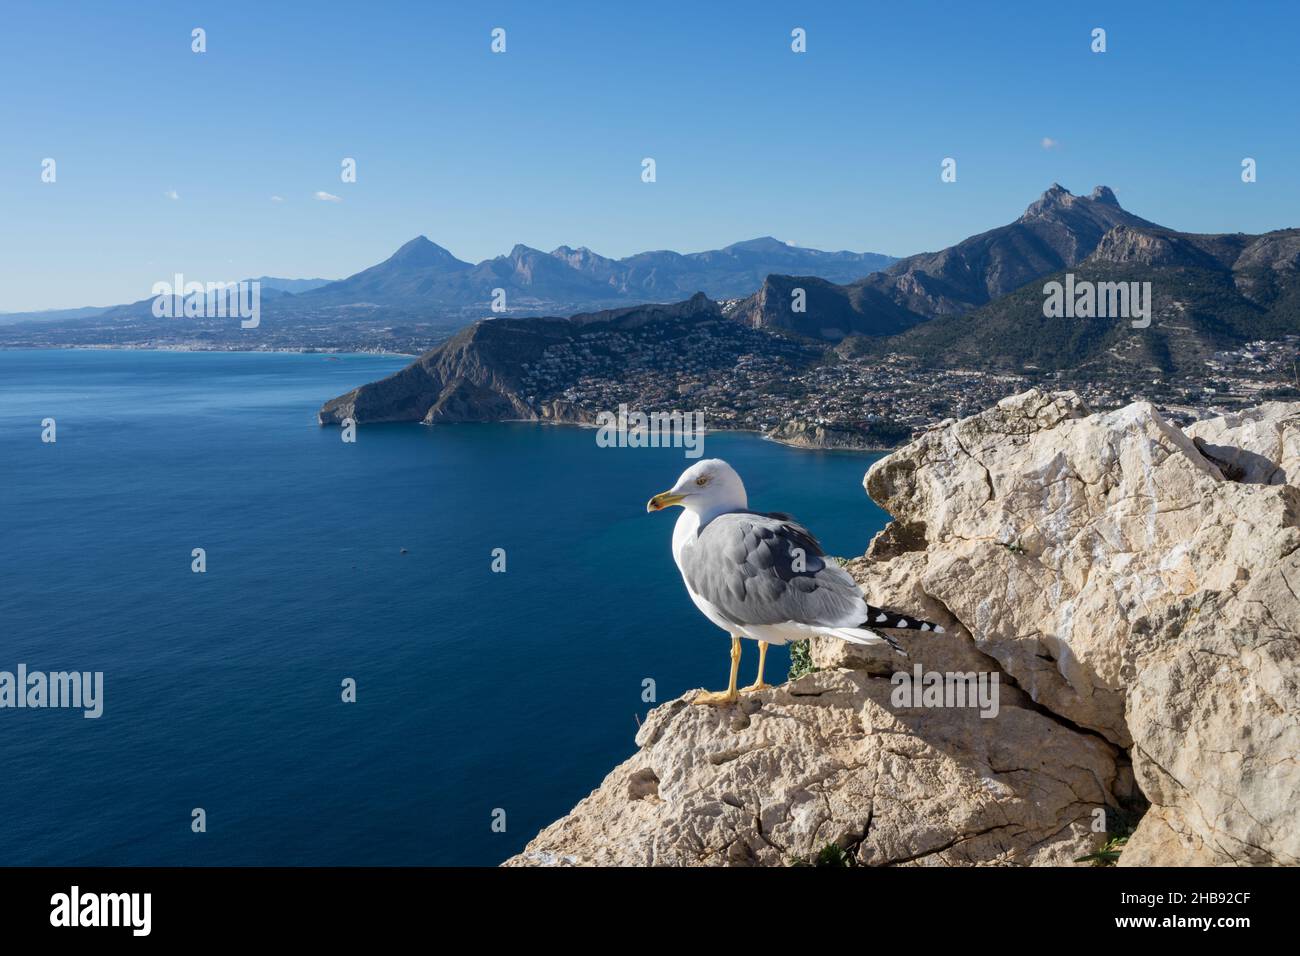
(420, 251)
(761, 244)
(1057, 199)
(1104, 194)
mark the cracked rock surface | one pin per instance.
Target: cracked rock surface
(826, 759)
(1133, 587)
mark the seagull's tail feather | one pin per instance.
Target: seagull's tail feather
(862, 635)
(883, 617)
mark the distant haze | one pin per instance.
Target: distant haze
(422, 274)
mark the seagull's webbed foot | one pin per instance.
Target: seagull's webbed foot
(717, 697)
(757, 685)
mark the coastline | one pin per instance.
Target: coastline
(803, 446)
(855, 449)
(852, 449)
(174, 348)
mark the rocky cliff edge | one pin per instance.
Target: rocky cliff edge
(1132, 586)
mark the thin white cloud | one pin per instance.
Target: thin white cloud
(327, 197)
(172, 194)
(1049, 143)
(277, 199)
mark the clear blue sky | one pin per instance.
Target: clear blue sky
(836, 148)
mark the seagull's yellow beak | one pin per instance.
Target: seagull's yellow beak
(663, 500)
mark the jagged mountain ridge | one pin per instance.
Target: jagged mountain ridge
(423, 278)
(422, 273)
(1209, 292)
(1057, 230)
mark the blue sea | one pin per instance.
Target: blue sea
(481, 696)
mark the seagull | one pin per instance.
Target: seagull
(763, 576)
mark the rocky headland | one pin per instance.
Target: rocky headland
(1131, 585)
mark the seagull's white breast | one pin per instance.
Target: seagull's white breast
(684, 534)
(686, 528)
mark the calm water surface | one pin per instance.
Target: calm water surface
(476, 691)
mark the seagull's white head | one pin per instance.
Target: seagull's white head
(708, 488)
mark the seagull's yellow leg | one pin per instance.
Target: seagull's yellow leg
(730, 695)
(759, 684)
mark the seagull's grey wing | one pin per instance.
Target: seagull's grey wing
(767, 569)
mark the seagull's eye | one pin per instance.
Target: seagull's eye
(702, 481)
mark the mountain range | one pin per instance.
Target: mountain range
(423, 278)
(1209, 292)
(978, 305)
(1057, 230)
(422, 274)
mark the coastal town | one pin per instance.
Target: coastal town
(808, 394)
